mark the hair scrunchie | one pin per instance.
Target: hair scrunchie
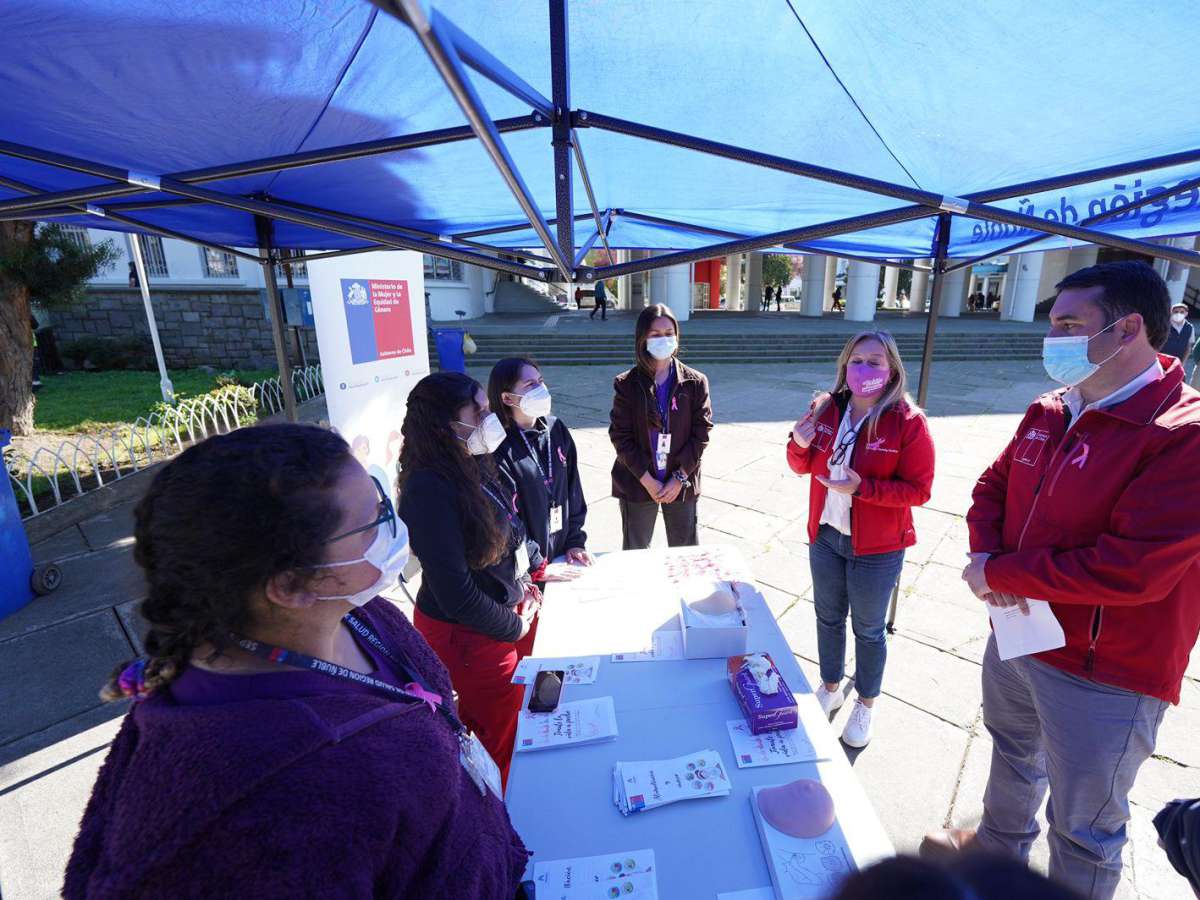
(132, 681)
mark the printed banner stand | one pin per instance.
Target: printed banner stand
(370, 321)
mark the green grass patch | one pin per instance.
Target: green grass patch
(78, 402)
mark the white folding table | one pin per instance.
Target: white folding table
(560, 800)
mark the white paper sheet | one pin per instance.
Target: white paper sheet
(629, 875)
(581, 722)
(771, 748)
(1021, 635)
(578, 669)
(752, 894)
(664, 645)
(639, 786)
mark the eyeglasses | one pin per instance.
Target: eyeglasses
(386, 516)
(838, 457)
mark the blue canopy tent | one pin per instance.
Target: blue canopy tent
(476, 131)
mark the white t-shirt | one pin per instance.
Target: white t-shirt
(836, 511)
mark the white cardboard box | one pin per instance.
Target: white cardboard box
(709, 642)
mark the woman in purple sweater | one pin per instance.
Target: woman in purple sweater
(292, 735)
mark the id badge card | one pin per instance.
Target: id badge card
(660, 455)
(522, 554)
(556, 522)
(480, 766)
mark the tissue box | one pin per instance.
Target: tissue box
(764, 712)
(711, 642)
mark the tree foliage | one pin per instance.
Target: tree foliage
(53, 266)
(777, 269)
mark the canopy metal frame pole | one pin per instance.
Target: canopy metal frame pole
(264, 208)
(600, 232)
(420, 234)
(439, 46)
(941, 246)
(265, 230)
(762, 242)
(139, 263)
(120, 185)
(601, 229)
(965, 205)
(506, 229)
(938, 278)
(564, 176)
(806, 248)
(1182, 187)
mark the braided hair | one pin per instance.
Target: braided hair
(217, 523)
(430, 443)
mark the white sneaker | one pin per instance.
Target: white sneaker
(857, 732)
(830, 700)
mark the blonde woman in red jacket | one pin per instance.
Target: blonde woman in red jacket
(868, 449)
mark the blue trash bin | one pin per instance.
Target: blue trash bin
(16, 562)
(449, 343)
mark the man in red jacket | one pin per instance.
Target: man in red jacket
(1092, 507)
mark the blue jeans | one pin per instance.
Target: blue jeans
(1082, 739)
(860, 586)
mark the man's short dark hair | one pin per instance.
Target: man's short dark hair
(1129, 287)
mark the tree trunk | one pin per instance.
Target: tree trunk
(16, 339)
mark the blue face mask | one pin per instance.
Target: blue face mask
(1066, 358)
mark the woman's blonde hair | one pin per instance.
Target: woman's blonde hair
(895, 391)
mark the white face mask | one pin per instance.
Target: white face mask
(662, 347)
(1178, 318)
(387, 554)
(486, 436)
(536, 403)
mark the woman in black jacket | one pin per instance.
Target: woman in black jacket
(476, 600)
(538, 459)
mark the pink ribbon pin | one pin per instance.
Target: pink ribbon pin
(562, 457)
(425, 696)
(1082, 458)
(674, 404)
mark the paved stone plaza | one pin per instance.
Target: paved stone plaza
(928, 762)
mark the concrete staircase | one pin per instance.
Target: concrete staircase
(709, 349)
(514, 297)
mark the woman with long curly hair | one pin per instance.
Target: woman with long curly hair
(476, 603)
(292, 735)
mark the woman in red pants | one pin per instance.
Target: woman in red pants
(476, 602)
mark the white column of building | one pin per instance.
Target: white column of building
(862, 291)
(733, 281)
(754, 282)
(1177, 273)
(625, 282)
(831, 267)
(1025, 274)
(891, 278)
(1054, 270)
(812, 301)
(954, 290)
(919, 294)
(1082, 257)
(672, 287)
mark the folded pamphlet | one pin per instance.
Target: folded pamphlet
(640, 786)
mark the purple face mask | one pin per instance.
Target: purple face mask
(864, 380)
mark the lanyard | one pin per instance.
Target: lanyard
(547, 472)
(504, 507)
(415, 692)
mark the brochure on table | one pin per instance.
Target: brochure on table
(577, 670)
(630, 876)
(581, 722)
(640, 786)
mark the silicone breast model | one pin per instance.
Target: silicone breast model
(802, 809)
